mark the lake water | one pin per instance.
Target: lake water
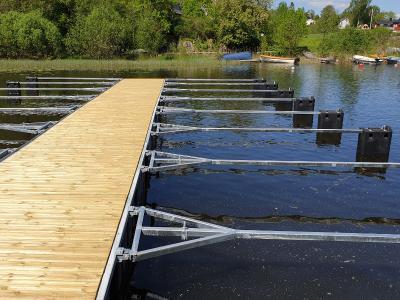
(284, 198)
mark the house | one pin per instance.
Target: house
(344, 23)
(309, 22)
(390, 24)
(364, 26)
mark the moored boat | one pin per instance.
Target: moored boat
(359, 59)
(238, 56)
(328, 60)
(393, 60)
(279, 59)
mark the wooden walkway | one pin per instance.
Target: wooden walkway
(62, 196)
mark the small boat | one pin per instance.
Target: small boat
(328, 60)
(393, 60)
(238, 56)
(359, 59)
(310, 55)
(279, 60)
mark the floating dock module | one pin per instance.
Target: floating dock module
(62, 196)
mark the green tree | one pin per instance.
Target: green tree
(28, 35)
(358, 12)
(8, 31)
(329, 20)
(154, 25)
(379, 39)
(36, 36)
(289, 27)
(240, 23)
(352, 41)
(196, 21)
(103, 33)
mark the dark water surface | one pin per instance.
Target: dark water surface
(285, 198)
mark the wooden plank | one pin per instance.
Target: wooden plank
(62, 196)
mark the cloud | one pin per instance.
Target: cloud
(319, 4)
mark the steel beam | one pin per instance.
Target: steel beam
(105, 83)
(201, 233)
(169, 84)
(30, 128)
(37, 110)
(213, 80)
(177, 90)
(163, 161)
(171, 110)
(55, 89)
(167, 99)
(162, 128)
(50, 97)
(79, 78)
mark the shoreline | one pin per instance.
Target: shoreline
(126, 65)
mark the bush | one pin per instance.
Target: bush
(352, 41)
(152, 30)
(379, 38)
(289, 27)
(28, 35)
(8, 41)
(103, 33)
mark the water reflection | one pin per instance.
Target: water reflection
(275, 198)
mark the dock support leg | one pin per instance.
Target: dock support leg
(266, 86)
(374, 144)
(303, 104)
(11, 93)
(34, 85)
(330, 119)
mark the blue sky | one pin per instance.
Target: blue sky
(340, 5)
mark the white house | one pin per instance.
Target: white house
(310, 22)
(344, 23)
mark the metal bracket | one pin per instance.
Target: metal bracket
(195, 233)
(163, 128)
(172, 110)
(30, 128)
(122, 254)
(164, 161)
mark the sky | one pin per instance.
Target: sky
(340, 5)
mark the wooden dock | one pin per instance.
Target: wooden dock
(62, 196)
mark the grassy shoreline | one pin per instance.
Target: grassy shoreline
(161, 62)
(125, 65)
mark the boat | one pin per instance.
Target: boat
(327, 60)
(238, 56)
(279, 59)
(359, 59)
(393, 60)
(310, 55)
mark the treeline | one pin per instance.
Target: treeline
(352, 41)
(340, 41)
(123, 28)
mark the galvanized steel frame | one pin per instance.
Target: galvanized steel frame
(195, 233)
(203, 232)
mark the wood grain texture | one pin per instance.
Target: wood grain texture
(62, 196)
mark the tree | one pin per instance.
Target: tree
(358, 12)
(28, 35)
(239, 23)
(196, 21)
(384, 16)
(329, 20)
(103, 33)
(289, 27)
(154, 25)
(310, 14)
